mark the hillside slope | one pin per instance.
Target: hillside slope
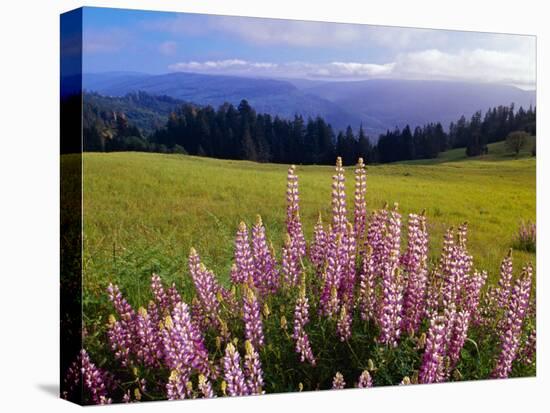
(387, 103)
(275, 97)
(378, 104)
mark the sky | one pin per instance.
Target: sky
(163, 42)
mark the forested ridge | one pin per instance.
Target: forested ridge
(143, 122)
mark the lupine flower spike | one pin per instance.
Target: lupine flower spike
(511, 333)
(244, 270)
(338, 381)
(319, 245)
(266, 276)
(360, 212)
(364, 288)
(293, 222)
(301, 318)
(365, 380)
(252, 318)
(233, 374)
(253, 370)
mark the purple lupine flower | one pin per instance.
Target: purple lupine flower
(205, 387)
(253, 370)
(347, 281)
(505, 281)
(120, 340)
(72, 378)
(529, 349)
(122, 307)
(233, 374)
(291, 262)
(389, 318)
(339, 213)
(93, 379)
(234, 275)
(198, 316)
(511, 334)
(360, 212)
(446, 267)
(174, 298)
(367, 285)
(450, 314)
(292, 197)
(153, 314)
(121, 332)
(474, 285)
(459, 331)
(176, 387)
(303, 346)
(365, 380)
(338, 381)
(293, 222)
(415, 262)
(149, 346)
(184, 347)
(318, 247)
(376, 237)
(329, 300)
(433, 293)
(465, 261)
(266, 276)
(433, 364)
(456, 265)
(228, 298)
(343, 326)
(252, 319)
(207, 289)
(301, 318)
(243, 257)
(526, 238)
(161, 298)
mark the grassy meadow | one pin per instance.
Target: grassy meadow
(144, 211)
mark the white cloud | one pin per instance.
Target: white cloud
(228, 66)
(477, 65)
(338, 70)
(362, 69)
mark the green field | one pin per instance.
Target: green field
(143, 211)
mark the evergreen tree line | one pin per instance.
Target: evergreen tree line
(497, 123)
(473, 135)
(240, 133)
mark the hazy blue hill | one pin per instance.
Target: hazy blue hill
(379, 104)
(387, 103)
(101, 82)
(276, 97)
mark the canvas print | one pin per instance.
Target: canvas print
(254, 206)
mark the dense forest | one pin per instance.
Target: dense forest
(142, 122)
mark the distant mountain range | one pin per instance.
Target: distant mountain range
(378, 104)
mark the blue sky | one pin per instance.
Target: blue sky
(161, 42)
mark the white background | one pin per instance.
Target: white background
(29, 206)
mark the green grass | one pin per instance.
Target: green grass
(143, 212)
(497, 152)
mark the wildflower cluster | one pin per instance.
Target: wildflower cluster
(365, 308)
(526, 238)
